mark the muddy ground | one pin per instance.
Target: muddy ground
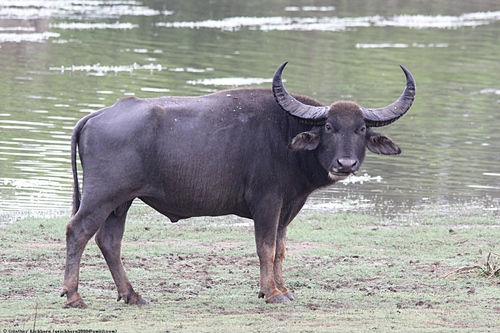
(425, 271)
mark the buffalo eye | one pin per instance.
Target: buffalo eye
(328, 127)
(362, 130)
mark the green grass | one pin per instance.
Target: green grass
(422, 271)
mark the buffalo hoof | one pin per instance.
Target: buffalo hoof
(141, 301)
(289, 295)
(75, 301)
(76, 304)
(277, 299)
(134, 299)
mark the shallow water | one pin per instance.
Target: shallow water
(61, 60)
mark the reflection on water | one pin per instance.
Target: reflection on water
(75, 9)
(339, 24)
(64, 59)
(397, 45)
(100, 70)
(230, 81)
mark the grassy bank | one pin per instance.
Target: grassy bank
(425, 271)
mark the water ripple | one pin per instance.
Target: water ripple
(229, 81)
(29, 37)
(340, 23)
(93, 26)
(99, 69)
(75, 9)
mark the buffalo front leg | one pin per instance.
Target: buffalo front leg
(278, 264)
(109, 239)
(265, 239)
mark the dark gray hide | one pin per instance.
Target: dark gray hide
(232, 152)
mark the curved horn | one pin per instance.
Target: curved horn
(309, 113)
(391, 113)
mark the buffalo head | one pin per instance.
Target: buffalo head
(341, 132)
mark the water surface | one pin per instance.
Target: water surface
(64, 59)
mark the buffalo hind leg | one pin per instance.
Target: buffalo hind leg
(109, 239)
(79, 230)
(278, 264)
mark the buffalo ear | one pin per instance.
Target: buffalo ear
(305, 141)
(381, 144)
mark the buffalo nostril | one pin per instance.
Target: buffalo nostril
(346, 164)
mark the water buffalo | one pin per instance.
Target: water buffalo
(257, 153)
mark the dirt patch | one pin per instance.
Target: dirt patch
(297, 247)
